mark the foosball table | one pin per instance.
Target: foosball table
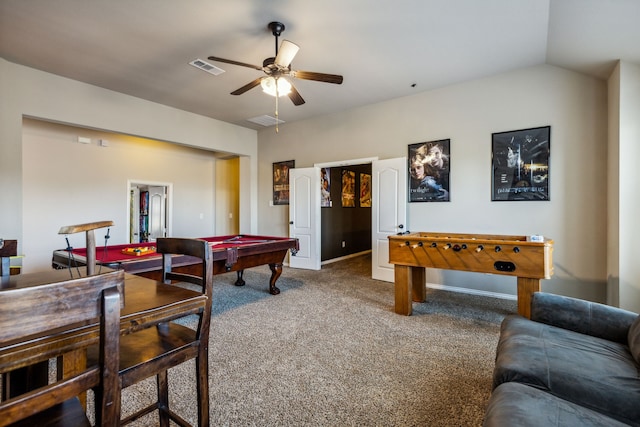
(520, 256)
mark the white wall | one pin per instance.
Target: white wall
(66, 182)
(572, 104)
(629, 151)
(613, 188)
(26, 92)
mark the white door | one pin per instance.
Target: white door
(304, 216)
(134, 215)
(157, 212)
(389, 215)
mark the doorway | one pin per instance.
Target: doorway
(148, 205)
(389, 215)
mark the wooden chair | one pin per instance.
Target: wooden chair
(153, 351)
(49, 310)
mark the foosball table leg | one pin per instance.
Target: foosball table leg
(410, 285)
(526, 288)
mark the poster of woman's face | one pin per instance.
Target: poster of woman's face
(429, 164)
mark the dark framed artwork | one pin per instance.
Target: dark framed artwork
(348, 189)
(365, 190)
(520, 164)
(429, 167)
(281, 182)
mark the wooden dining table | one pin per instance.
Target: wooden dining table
(146, 303)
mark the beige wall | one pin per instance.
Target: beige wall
(613, 186)
(572, 104)
(66, 182)
(26, 92)
(629, 178)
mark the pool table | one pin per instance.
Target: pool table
(230, 253)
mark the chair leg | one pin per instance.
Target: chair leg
(202, 384)
(163, 398)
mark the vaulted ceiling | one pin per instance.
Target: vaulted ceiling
(384, 48)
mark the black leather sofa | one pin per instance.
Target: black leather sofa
(575, 363)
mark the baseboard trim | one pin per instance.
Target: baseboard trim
(472, 291)
(342, 258)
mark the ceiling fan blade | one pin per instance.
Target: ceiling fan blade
(295, 97)
(286, 53)
(319, 77)
(247, 87)
(229, 61)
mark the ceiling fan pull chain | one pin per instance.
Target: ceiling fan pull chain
(277, 119)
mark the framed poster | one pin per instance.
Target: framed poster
(325, 187)
(281, 182)
(365, 190)
(520, 164)
(429, 165)
(348, 189)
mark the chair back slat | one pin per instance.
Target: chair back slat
(58, 305)
(43, 398)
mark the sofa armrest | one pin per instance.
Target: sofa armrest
(586, 317)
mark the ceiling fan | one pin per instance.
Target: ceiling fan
(278, 67)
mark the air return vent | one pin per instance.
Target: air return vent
(265, 120)
(205, 66)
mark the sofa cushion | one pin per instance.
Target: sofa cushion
(515, 404)
(593, 372)
(586, 317)
(634, 339)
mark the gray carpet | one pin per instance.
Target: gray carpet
(330, 351)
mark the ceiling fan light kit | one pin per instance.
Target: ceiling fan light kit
(275, 86)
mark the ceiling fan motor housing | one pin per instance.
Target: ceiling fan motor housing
(276, 28)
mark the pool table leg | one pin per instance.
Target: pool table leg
(276, 271)
(240, 281)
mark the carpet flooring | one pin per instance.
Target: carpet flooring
(330, 351)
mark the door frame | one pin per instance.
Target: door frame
(339, 163)
(169, 201)
(361, 161)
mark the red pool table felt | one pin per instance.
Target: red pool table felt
(114, 253)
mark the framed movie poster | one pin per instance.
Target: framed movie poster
(325, 187)
(365, 190)
(281, 182)
(348, 189)
(429, 165)
(520, 164)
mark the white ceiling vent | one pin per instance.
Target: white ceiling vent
(265, 120)
(205, 66)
